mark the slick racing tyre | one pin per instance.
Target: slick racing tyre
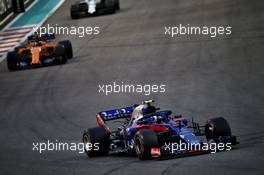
(110, 5)
(117, 5)
(216, 127)
(13, 61)
(19, 47)
(75, 11)
(99, 139)
(60, 54)
(68, 48)
(145, 140)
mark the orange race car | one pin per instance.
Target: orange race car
(39, 51)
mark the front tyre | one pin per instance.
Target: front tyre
(75, 12)
(217, 127)
(110, 5)
(68, 48)
(117, 4)
(60, 54)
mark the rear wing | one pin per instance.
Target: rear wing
(47, 36)
(116, 113)
(43, 37)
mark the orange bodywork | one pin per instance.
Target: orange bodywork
(37, 52)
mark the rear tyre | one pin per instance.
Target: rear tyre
(74, 12)
(13, 61)
(68, 48)
(145, 140)
(216, 127)
(60, 54)
(19, 47)
(99, 139)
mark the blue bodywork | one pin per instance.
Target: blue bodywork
(179, 128)
(168, 129)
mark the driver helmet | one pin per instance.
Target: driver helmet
(138, 112)
(36, 34)
(35, 44)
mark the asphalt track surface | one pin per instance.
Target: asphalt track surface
(205, 78)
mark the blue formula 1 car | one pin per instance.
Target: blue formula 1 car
(147, 132)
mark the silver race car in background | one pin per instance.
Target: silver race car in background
(84, 8)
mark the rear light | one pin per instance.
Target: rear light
(155, 152)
